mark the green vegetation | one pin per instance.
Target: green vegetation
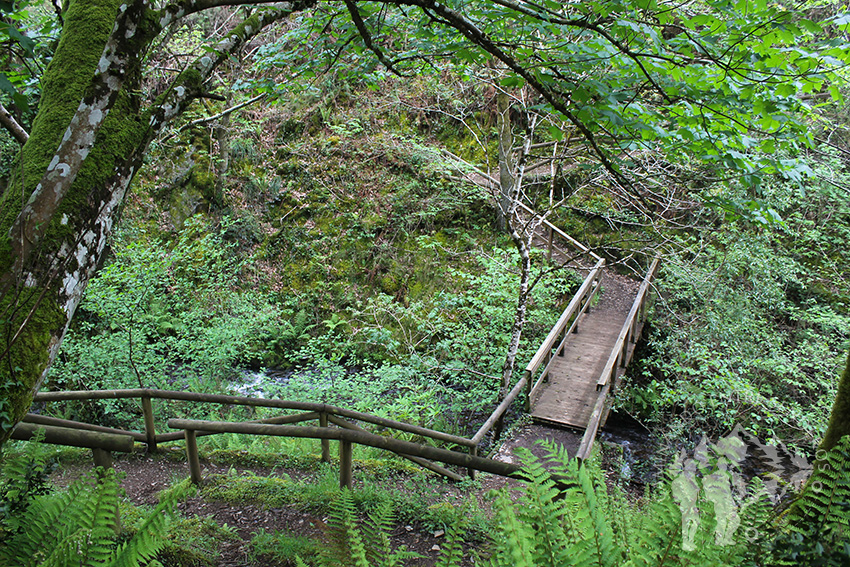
(561, 514)
(751, 326)
(80, 525)
(336, 242)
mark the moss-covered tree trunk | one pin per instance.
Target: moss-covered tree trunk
(839, 419)
(86, 144)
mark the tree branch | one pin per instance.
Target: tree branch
(367, 37)
(469, 30)
(11, 125)
(177, 10)
(221, 114)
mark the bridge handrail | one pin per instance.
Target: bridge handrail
(572, 241)
(618, 358)
(577, 306)
(566, 324)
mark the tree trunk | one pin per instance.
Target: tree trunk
(506, 167)
(839, 419)
(522, 236)
(61, 205)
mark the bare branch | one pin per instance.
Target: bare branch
(11, 125)
(221, 114)
(367, 37)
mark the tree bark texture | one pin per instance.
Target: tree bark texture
(506, 166)
(86, 144)
(839, 419)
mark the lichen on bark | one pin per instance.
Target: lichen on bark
(91, 85)
(88, 24)
(34, 299)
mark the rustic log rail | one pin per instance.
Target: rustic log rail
(332, 420)
(346, 437)
(620, 357)
(102, 443)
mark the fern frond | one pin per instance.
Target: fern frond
(375, 530)
(451, 554)
(542, 511)
(149, 538)
(52, 526)
(602, 536)
(818, 523)
(514, 547)
(658, 537)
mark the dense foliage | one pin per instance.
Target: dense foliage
(336, 245)
(752, 323)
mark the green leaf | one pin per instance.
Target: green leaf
(556, 133)
(512, 82)
(6, 85)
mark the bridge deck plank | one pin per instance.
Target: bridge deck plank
(568, 398)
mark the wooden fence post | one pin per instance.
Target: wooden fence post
(150, 428)
(326, 444)
(345, 475)
(102, 458)
(473, 451)
(192, 456)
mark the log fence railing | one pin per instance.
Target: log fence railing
(334, 423)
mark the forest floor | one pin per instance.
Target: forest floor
(144, 476)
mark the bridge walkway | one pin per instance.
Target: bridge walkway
(569, 396)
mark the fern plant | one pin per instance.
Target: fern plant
(79, 527)
(589, 524)
(24, 477)
(359, 544)
(816, 529)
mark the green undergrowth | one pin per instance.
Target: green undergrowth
(342, 256)
(702, 513)
(429, 502)
(178, 315)
(751, 326)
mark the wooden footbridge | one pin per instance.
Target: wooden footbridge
(567, 383)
